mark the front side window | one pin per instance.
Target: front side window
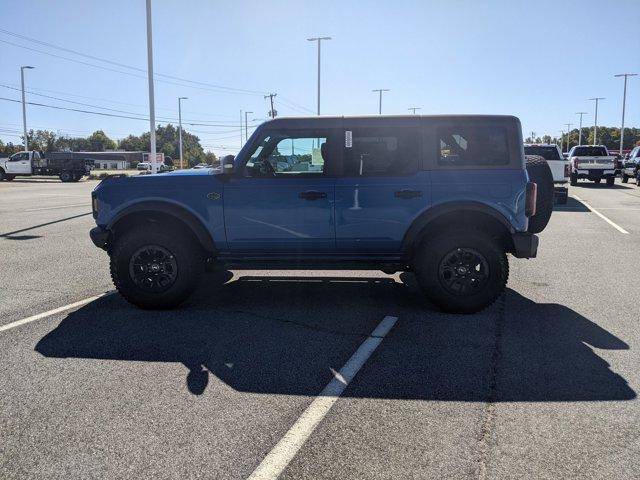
(381, 152)
(19, 157)
(288, 154)
(463, 146)
(548, 153)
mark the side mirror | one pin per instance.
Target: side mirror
(227, 163)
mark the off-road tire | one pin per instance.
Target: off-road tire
(434, 250)
(184, 250)
(611, 181)
(540, 173)
(625, 178)
(66, 177)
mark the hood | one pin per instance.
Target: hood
(192, 172)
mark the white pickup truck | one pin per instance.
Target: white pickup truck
(68, 166)
(557, 163)
(592, 162)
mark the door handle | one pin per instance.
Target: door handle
(312, 195)
(407, 194)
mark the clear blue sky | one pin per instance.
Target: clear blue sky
(538, 60)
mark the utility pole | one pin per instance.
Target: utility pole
(413, 109)
(624, 101)
(319, 40)
(562, 140)
(580, 133)
(569, 125)
(272, 112)
(595, 120)
(246, 127)
(152, 108)
(180, 127)
(533, 137)
(24, 106)
(380, 90)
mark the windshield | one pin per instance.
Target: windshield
(548, 153)
(590, 152)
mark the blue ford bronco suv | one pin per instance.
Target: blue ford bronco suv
(446, 197)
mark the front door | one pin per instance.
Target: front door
(19, 164)
(282, 199)
(382, 189)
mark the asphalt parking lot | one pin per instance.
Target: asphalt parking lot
(541, 385)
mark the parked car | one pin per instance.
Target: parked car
(592, 162)
(201, 165)
(68, 166)
(558, 164)
(631, 165)
(447, 197)
(144, 166)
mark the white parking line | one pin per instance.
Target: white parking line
(40, 316)
(85, 204)
(614, 225)
(279, 457)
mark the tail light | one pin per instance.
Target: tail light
(566, 170)
(531, 198)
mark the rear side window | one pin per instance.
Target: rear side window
(470, 145)
(381, 151)
(548, 153)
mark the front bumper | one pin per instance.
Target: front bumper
(525, 245)
(99, 237)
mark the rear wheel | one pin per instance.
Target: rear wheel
(611, 181)
(66, 176)
(155, 268)
(597, 180)
(540, 173)
(625, 178)
(462, 271)
(573, 179)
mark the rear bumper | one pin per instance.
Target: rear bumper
(99, 237)
(596, 173)
(525, 245)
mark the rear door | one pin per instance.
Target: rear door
(382, 188)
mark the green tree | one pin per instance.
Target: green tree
(99, 142)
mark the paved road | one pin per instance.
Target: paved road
(541, 385)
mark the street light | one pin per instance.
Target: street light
(319, 40)
(413, 109)
(580, 133)
(152, 107)
(568, 133)
(246, 127)
(624, 101)
(380, 90)
(24, 107)
(595, 120)
(180, 126)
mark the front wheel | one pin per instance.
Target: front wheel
(66, 176)
(625, 178)
(154, 267)
(573, 179)
(9, 178)
(611, 181)
(597, 180)
(462, 271)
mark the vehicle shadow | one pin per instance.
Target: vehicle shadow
(572, 205)
(286, 335)
(587, 184)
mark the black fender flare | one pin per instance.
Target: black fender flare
(171, 209)
(433, 213)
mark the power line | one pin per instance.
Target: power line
(122, 65)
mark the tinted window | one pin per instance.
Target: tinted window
(381, 151)
(472, 145)
(288, 154)
(589, 152)
(548, 153)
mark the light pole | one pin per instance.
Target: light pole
(24, 106)
(595, 120)
(152, 107)
(568, 133)
(180, 127)
(413, 109)
(580, 132)
(319, 40)
(562, 140)
(624, 101)
(380, 90)
(246, 127)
